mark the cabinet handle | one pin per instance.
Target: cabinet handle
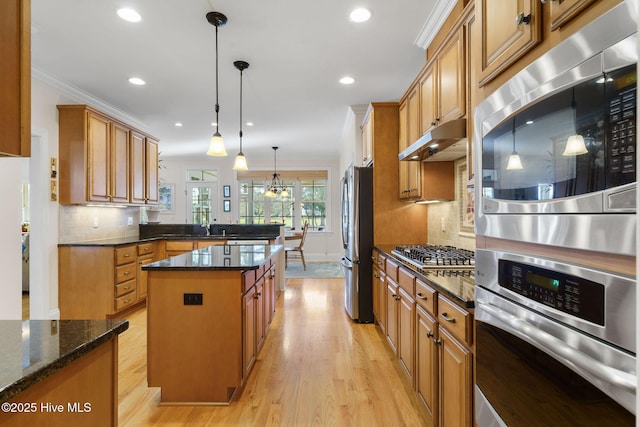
(447, 318)
(127, 287)
(523, 19)
(377, 276)
(126, 273)
(430, 334)
(420, 296)
(127, 300)
(127, 255)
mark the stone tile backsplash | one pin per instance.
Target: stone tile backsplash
(86, 223)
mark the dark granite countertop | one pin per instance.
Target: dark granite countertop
(151, 232)
(34, 349)
(458, 286)
(218, 257)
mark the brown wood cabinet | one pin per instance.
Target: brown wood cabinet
(456, 381)
(379, 290)
(97, 282)
(103, 160)
(443, 85)
(15, 86)
(389, 212)
(409, 131)
(509, 30)
(427, 361)
(258, 302)
(146, 255)
(562, 11)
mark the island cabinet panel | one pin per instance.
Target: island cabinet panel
(195, 353)
(92, 379)
(15, 86)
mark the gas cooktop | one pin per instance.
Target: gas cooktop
(435, 257)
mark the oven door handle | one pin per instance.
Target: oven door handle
(555, 346)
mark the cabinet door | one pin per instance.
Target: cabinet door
(119, 163)
(427, 362)
(403, 142)
(382, 302)
(451, 79)
(563, 11)
(15, 86)
(428, 100)
(137, 168)
(142, 276)
(249, 328)
(151, 171)
(367, 140)
(392, 315)
(456, 382)
(98, 153)
(260, 323)
(413, 133)
(509, 30)
(406, 332)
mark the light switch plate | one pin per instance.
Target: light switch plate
(130, 220)
(95, 222)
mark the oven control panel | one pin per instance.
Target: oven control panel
(573, 295)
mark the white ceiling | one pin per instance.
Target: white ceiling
(297, 51)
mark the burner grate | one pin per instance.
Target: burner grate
(434, 256)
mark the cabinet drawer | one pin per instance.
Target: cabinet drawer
(125, 255)
(179, 245)
(125, 301)
(248, 280)
(125, 288)
(146, 248)
(200, 244)
(406, 281)
(391, 268)
(455, 320)
(125, 272)
(382, 262)
(426, 297)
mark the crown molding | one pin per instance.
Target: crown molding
(83, 97)
(434, 22)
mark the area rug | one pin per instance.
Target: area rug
(315, 270)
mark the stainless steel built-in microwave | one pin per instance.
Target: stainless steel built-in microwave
(555, 146)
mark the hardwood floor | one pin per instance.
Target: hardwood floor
(317, 367)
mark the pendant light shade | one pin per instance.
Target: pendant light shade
(514, 162)
(276, 187)
(216, 144)
(241, 160)
(575, 143)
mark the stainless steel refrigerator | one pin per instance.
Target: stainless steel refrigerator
(357, 240)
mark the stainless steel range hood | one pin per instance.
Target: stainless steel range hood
(440, 144)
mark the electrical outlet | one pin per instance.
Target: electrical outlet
(130, 220)
(96, 222)
(443, 224)
(192, 299)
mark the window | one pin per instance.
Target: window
(308, 201)
(202, 196)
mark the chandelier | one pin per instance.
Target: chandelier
(276, 187)
(216, 145)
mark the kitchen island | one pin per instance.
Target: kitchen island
(208, 313)
(59, 372)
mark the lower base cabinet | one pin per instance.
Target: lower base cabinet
(427, 362)
(456, 382)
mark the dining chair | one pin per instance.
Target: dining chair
(298, 250)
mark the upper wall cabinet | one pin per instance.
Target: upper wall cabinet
(563, 11)
(509, 30)
(443, 85)
(15, 85)
(103, 160)
(408, 132)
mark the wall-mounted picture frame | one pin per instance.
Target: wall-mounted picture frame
(226, 191)
(226, 205)
(166, 193)
(227, 250)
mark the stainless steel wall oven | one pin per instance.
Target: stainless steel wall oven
(570, 120)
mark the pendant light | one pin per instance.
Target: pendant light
(514, 162)
(575, 144)
(241, 160)
(216, 145)
(276, 186)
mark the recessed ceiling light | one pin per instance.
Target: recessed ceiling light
(347, 80)
(178, 124)
(137, 81)
(129, 15)
(529, 122)
(249, 123)
(360, 15)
